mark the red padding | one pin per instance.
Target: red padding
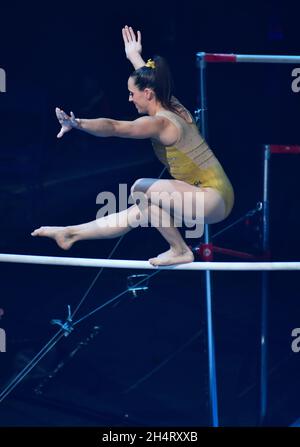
(234, 253)
(277, 149)
(211, 57)
(206, 252)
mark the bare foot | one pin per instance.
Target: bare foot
(173, 257)
(62, 235)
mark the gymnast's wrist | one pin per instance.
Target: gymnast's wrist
(136, 60)
(78, 124)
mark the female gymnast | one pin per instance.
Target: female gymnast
(178, 145)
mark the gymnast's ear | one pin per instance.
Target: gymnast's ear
(149, 92)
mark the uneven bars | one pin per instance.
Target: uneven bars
(203, 59)
(254, 58)
(129, 264)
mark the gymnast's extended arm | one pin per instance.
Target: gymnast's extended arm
(144, 127)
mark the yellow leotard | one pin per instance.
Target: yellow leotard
(191, 160)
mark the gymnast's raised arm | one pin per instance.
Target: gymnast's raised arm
(133, 46)
(133, 51)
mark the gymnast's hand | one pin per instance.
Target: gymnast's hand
(132, 42)
(67, 122)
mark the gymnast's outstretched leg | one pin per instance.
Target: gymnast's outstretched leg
(184, 204)
(115, 225)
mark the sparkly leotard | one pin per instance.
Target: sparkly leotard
(191, 160)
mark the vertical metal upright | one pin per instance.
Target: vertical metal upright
(213, 393)
(264, 290)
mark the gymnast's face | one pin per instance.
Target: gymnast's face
(140, 98)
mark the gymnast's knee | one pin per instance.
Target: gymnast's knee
(138, 194)
(141, 185)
